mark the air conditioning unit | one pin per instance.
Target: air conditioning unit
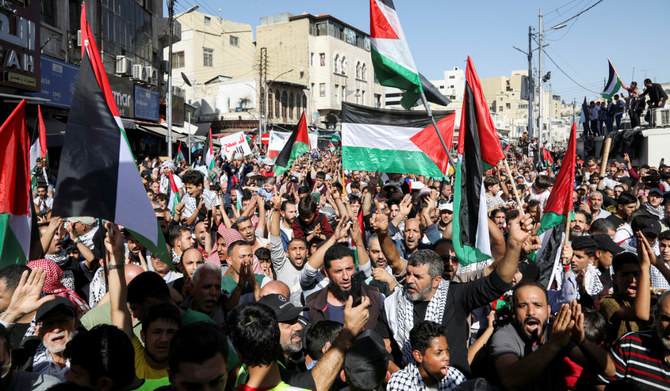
(152, 75)
(164, 66)
(79, 38)
(124, 65)
(139, 72)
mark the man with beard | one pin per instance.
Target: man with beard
(55, 326)
(427, 296)
(527, 353)
(203, 237)
(180, 240)
(643, 356)
(288, 265)
(579, 226)
(329, 302)
(288, 213)
(239, 281)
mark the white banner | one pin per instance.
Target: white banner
(234, 143)
(279, 139)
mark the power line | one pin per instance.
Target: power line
(566, 75)
(577, 15)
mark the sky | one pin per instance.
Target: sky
(634, 35)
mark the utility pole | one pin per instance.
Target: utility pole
(262, 71)
(541, 98)
(531, 82)
(168, 100)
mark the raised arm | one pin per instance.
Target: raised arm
(118, 291)
(380, 222)
(519, 239)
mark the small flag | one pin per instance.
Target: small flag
(479, 149)
(559, 204)
(392, 61)
(180, 156)
(395, 141)
(97, 175)
(613, 82)
(331, 147)
(39, 148)
(175, 198)
(546, 156)
(210, 162)
(15, 197)
(296, 145)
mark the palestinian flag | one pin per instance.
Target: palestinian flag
(391, 58)
(394, 141)
(97, 175)
(331, 147)
(180, 156)
(546, 157)
(585, 117)
(210, 162)
(559, 204)
(613, 82)
(38, 150)
(175, 198)
(479, 149)
(506, 150)
(15, 197)
(296, 145)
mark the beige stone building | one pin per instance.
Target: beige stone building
(212, 48)
(327, 56)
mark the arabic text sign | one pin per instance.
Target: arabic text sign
(234, 143)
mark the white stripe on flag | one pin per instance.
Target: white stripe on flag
(379, 136)
(20, 226)
(395, 50)
(483, 241)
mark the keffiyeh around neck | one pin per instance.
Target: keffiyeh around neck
(61, 258)
(405, 314)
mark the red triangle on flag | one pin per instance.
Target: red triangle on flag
(430, 144)
(379, 25)
(15, 170)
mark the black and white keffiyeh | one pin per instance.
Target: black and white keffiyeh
(405, 316)
(409, 379)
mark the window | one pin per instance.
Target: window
(363, 72)
(344, 65)
(336, 63)
(234, 41)
(311, 59)
(207, 57)
(452, 76)
(358, 70)
(322, 59)
(311, 91)
(362, 96)
(322, 90)
(48, 9)
(378, 100)
(208, 20)
(337, 89)
(358, 96)
(178, 60)
(344, 93)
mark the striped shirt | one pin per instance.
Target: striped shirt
(640, 357)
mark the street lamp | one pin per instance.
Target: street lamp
(168, 100)
(265, 95)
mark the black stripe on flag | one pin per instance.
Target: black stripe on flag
(357, 114)
(92, 137)
(471, 172)
(285, 154)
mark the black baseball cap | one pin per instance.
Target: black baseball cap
(57, 304)
(651, 226)
(282, 307)
(604, 242)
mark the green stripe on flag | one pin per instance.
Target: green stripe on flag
(11, 251)
(550, 220)
(465, 254)
(390, 73)
(299, 148)
(389, 160)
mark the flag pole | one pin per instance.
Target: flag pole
(511, 180)
(437, 130)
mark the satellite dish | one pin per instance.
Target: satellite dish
(183, 76)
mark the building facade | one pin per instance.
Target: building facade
(326, 55)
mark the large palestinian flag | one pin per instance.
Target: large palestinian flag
(559, 204)
(15, 189)
(479, 149)
(296, 145)
(97, 174)
(391, 58)
(613, 82)
(394, 141)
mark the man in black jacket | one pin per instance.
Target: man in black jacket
(657, 97)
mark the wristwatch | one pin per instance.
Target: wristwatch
(113, 267)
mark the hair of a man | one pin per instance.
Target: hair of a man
(253, 330)
(430, 258)
(195, 343)
(319, 334)
(205, 267)
(424, 332)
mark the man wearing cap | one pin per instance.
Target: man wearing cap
(446, 214)
(654, 203)
(56, 322)
(290, 329)
(650, 228)
(606, 249)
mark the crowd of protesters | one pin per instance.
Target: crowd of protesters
(325, 279)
